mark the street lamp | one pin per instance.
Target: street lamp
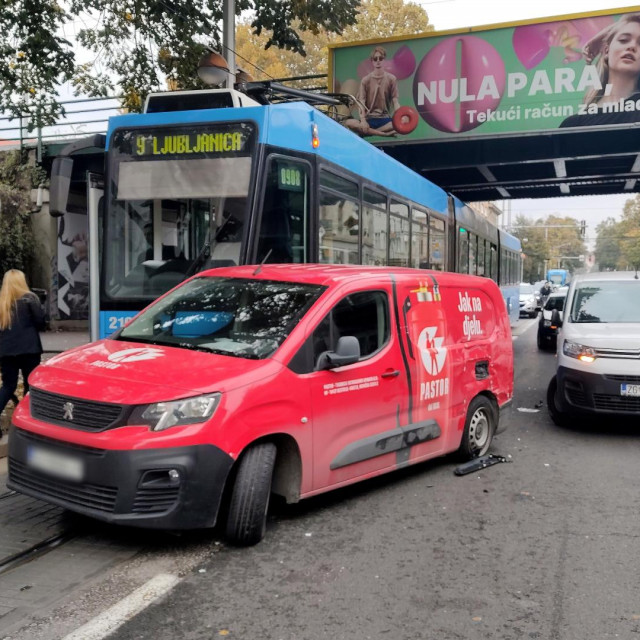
(213, 69)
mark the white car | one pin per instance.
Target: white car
(528, 300)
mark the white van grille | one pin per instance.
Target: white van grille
(625, 354)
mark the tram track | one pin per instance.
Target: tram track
(36, 551)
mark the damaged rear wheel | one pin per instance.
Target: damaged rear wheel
(479, 428)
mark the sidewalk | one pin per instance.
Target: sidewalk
(52, 342)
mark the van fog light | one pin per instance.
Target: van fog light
(173, 474)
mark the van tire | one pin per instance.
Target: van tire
(247, 518)
(479, 427)
(558, 417)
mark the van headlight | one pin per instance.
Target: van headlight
(164, 415)
(578, 351)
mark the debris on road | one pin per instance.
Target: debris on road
(479, 463)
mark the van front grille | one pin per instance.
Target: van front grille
(606, 402)
(73, 412)
(155, 500)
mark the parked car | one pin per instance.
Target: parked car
(242, 382)
(598, 363)
(529, 303)
(547, 330)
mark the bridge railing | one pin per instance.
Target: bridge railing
(84, 116)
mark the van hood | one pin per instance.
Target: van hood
(622, 336)
(134, 373)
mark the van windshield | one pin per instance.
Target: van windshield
(230, 316)
(606, 301)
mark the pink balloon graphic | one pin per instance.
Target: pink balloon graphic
(401, 65)
(531, 44)
(438, 70)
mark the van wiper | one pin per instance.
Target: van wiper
(137, 339)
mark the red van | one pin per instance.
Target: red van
(247, 381)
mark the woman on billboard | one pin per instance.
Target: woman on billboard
(617, 51)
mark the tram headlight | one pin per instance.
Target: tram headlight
(578, 351)
(164, 415)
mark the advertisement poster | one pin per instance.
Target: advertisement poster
(73, 267)
(578, 71)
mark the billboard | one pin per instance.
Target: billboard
(572, 71)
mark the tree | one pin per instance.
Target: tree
(376, 19)
(534, 248)
(629, 232)
(607, 251)
(17, 178)
(137, 44)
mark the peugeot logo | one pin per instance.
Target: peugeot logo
(67, 407)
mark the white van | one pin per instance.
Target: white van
(598, 364)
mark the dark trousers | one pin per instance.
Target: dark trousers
(10, 366)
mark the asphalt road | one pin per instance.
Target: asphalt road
(544, 547)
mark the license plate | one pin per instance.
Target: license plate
(630, 390)
(56, 464)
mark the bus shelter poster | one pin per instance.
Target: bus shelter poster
(569, 72)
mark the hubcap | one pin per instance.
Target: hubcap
(479, 430)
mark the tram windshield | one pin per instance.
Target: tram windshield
(173, 192)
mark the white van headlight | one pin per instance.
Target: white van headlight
(164, 415)
(579, 351)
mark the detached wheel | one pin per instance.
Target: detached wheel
(479, 428)
(558, 417)
(247, 519)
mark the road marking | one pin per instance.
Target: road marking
(114, 617)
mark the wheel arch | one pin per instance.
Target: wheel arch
(287, 473)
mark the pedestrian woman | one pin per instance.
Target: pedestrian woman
(21, 319)
(616, 54)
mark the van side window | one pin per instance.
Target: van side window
(364, 315)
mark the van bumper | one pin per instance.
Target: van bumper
(172, 488)
(594, 393)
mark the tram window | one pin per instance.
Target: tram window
(374, 198)
(337, 183)
(481, 258)
(437, 244)
(339, 223)
(398, 234)
(284, 224)
(463, 251)
(398, 241)
(492, 256)
(419, 239)
(374, 235)
(473, 252)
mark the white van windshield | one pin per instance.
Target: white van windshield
(606, 301)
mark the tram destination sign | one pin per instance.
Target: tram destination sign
(210, 141)
(539, 75)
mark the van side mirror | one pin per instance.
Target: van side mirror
(347, 352)
(556, 320)
(60, 183)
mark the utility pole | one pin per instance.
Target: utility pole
(229, 38)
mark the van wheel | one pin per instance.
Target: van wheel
(559, 417)
(247, 519)
(479, 428)
(541, 344)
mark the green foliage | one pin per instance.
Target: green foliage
(618, 243)
(376, 19)
(549, 243)
(138, 45)
(17, 179)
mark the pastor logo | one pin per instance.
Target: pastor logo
(432, 353)
(135, 355)
(67, 409)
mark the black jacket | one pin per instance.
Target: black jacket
(27, 320)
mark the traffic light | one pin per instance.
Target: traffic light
(583, 228)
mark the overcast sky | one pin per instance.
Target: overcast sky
(456, 14)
